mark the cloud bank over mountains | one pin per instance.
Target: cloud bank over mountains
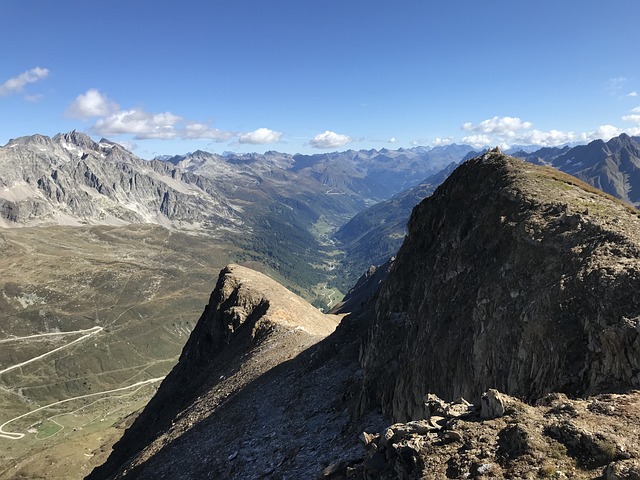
(109, 119)
(143, 125)
(509, 131)
(112, 121)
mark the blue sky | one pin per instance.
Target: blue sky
(168, 77)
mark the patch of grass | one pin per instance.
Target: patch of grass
(48, 429)
(547, 470)
(565, 182)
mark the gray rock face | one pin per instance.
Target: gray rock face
(70, 179)
(513, 277)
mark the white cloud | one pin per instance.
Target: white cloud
(439, 141)
(16, 84)
(478, 140)
(393, 140)
(632, 94)
(329, 139)
(260, 136)
(92, 103)
(604, 132)
(632, 118)
(34, 98)
(197, 131)
(499, 125)
(548, 138)
(509, 131)
(141, 124)
(131, 146)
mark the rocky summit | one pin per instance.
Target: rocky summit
(513, 277)
(504, 343)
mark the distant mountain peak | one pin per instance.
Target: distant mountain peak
(76, 138)
(30, 140)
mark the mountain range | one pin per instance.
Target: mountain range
(514, 293)
(108, 240)
(70, 179)
(108, 258)
(270, 205)
(375, 234)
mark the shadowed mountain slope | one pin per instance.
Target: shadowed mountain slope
(512, 276)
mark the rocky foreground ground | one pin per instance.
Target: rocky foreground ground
(503, 437)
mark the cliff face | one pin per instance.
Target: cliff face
(71, 180)
(252, 373)
(513, 277)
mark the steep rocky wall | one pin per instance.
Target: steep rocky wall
(250, 326)
(512, 277)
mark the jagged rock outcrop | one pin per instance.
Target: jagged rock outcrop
(253, 373)
(557, 438)
(513, 277)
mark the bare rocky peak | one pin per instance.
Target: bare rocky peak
(31, 139)
(514, 277)
(76, 138)
(71, 180)
(241, 366)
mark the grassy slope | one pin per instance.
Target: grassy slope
(145, 285)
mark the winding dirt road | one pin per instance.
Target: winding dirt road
(89, 332)
(18, 436)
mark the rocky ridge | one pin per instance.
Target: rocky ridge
(243, 367)
(512, 276)
(612, 166)
(529, 283)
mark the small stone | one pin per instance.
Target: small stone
(451, 436)
(366, 438)
(492, 405)
(437, 422)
